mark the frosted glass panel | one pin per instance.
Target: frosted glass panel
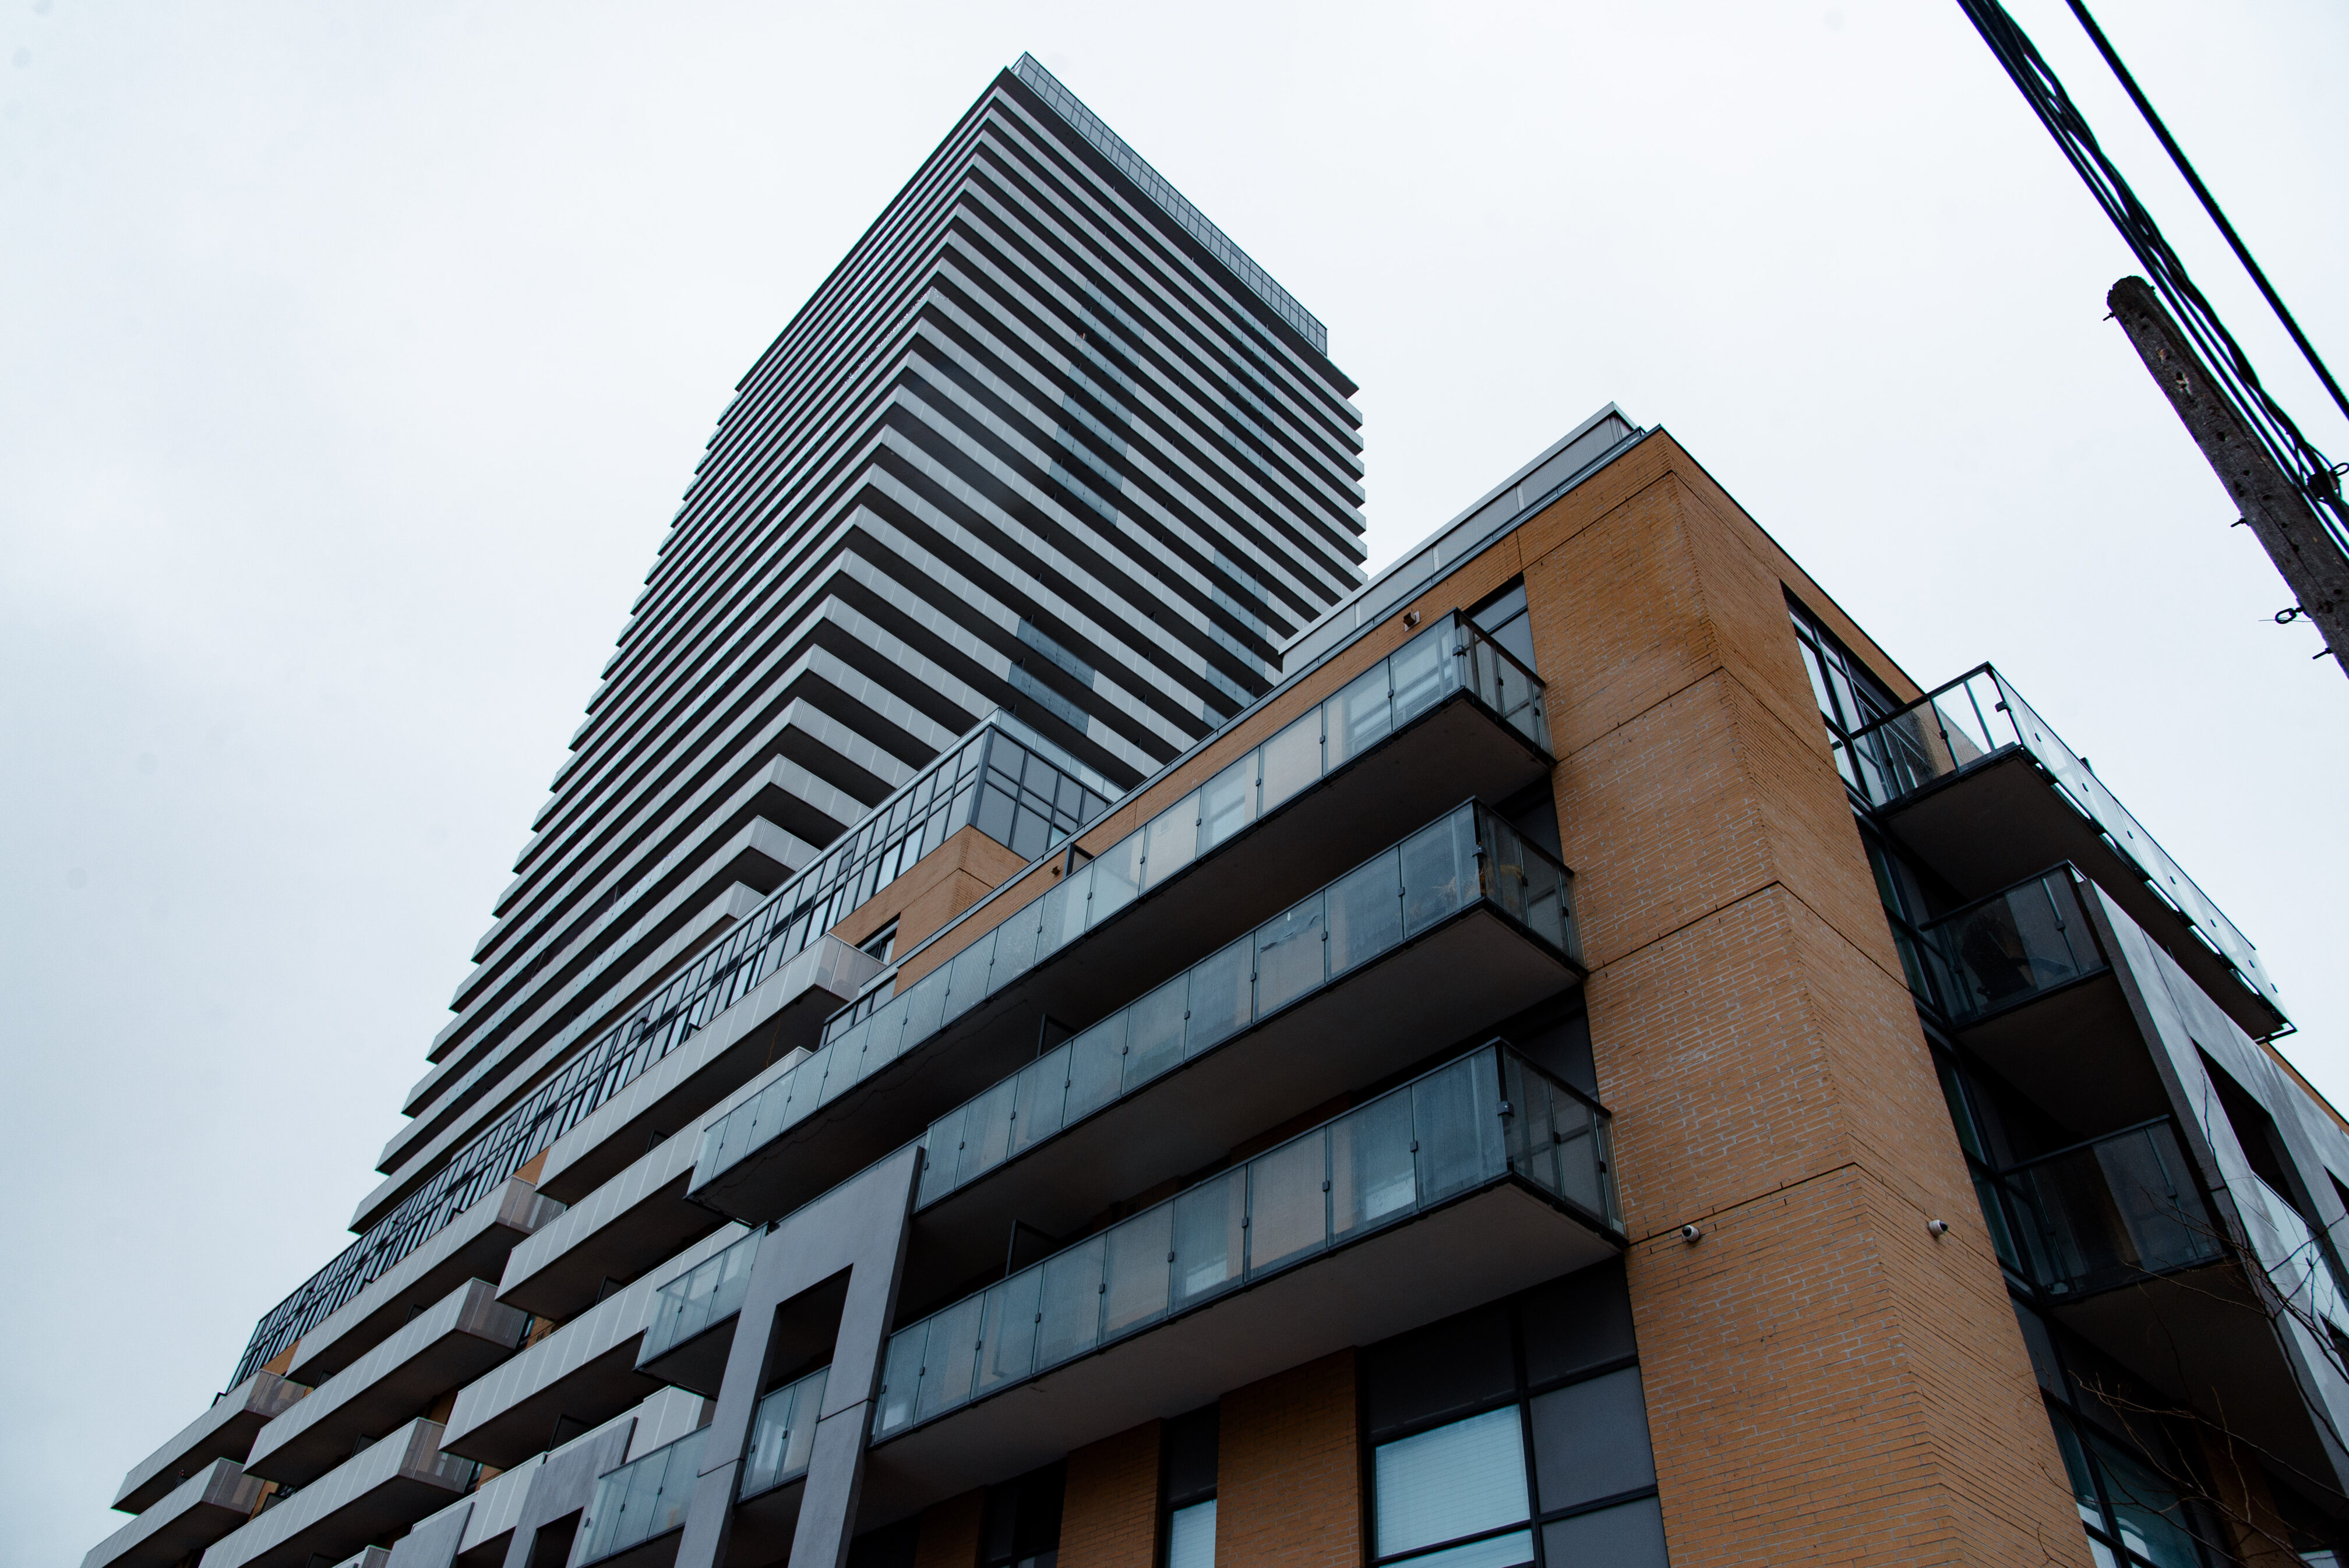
(1453, 1481)
(1191, 1536)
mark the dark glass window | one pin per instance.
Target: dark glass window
(1849, 697)
(1022, 1524)
(1187, 1489)
(1504, 618)
(1515, 1435)
(2135, 1492)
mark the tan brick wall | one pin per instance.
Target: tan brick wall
(943, 884)
(1288, 1471)
(949, 1536)
(1108, 1516)
(1828, 1382)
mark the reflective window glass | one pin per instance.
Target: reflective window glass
(1628, 1535)
(1191, 1536)
(1590, 1441)
(1456, 1481)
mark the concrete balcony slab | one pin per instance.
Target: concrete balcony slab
(632, 1223)
(224, 1431)
(214, 1501)
(457, 1340)
(784, 1013)
(377, 1492)
(1448, 984)
(585, 1372)
(1498, 1239)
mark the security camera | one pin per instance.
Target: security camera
(1937, 1227)
(1690, 1234)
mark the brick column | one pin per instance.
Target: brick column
(1289, 1484)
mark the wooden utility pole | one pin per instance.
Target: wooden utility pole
(2283, 519)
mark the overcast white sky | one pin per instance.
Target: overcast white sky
(352, 359)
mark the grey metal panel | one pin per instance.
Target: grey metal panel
(608, 1234)
(2180, 1023)
(495, 1507)
(662, 1419)
(199, 1510)
(563, 1485)
(859, 1228)
(433, 1542)
(224, 1431)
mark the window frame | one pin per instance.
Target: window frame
(1523, 1394)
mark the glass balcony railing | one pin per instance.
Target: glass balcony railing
(710, 1292)
(641, 1500)
(1395, 896)
(782, 1434)
(1467, 855)
(2107, 1212)
(2011, 946)
(1483, 1119)
(1978, 718)
(2306, 1276)
(1449, 657)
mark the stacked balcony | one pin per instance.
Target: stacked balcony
(1483, 1177)
(379, 1491)
(1448, 714)
(1974, 783)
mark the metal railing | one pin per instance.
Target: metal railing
(1390, 899)
(1488, 1117)
(1978, 718)
(2106, 1213)
(2011, 946)
(1465, 855)
(1451, 656)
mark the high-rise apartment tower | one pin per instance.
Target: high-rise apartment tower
(1262, 1151)
(1045, 443)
